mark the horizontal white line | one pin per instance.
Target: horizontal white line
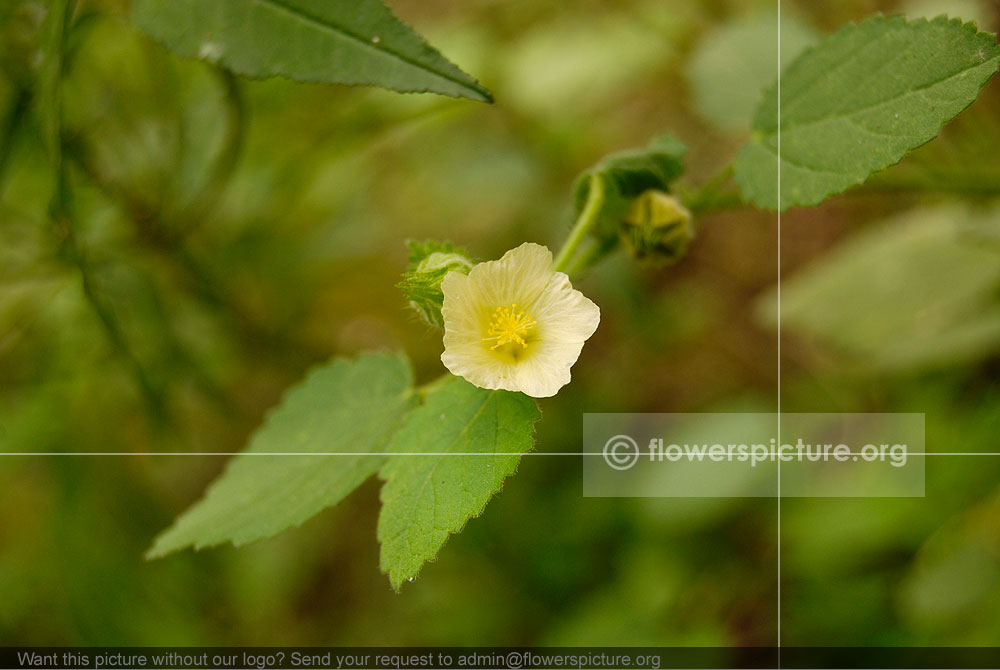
(685, 458)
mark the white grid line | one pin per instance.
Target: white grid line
(779, 333)
(695, 458)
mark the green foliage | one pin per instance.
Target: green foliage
(938, 591)
(429, 262)
(353, 408)
(734, 63)
(347, 407)
(355, 42)
(915, 291)
(221, 301)
(426, 498)
(50, 75)
(857, 102)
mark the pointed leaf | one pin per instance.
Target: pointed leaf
(857, 102)
(344, 407)
(427, 497)
(333, 41)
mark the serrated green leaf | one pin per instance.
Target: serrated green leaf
(344, 407)
(342, 42)
(857, 102)
(426, 498)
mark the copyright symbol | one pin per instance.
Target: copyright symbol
(514, 659)
(621, 452)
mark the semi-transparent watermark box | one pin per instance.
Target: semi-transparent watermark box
(753, 455)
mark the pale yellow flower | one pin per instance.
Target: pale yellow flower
(515, 324)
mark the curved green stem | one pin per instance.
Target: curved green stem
(61, 208)
(8, 135)
(225, 163)
(584, 224)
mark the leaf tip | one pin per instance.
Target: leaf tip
(479, 93)
(157, 550)
(487, 96)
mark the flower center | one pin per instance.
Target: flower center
(509, 325)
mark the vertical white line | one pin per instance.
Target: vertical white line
(779, 332)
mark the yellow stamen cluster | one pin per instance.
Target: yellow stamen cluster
(509, 325)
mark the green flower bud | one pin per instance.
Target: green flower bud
(430, 261)
(657, 225)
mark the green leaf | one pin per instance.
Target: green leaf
(344, 407)
(333, 41)
(734, 63)
(427, 497)
(918, 291)
(857, 102)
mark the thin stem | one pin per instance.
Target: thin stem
(61, 211)
(588, 257)
(225, 163)
(8, 135)
(584, 223)
(712, 197)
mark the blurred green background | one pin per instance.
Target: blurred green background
(230, 235)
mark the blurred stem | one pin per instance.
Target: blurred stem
(22, 98)
(61, 207)
(198, 276)
(715, 195)
(204, 202)
(589, 256)
(584, 224)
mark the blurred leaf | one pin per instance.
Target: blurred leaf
(916, 291)
(579, 62)
(426, 498)
(732, 65)
(351, 42)
(953, 584)
(345, 406)
(857, 102)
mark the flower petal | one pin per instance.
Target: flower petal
(547, 371)
(564, 314)
(519, 277)
(463, 307)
